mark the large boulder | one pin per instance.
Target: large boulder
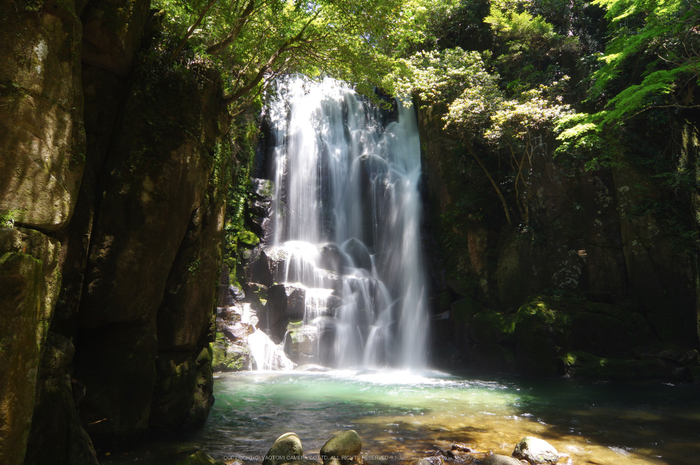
(150, 279)
(287, 448)
(345, 447)
(150, 195)
(186, 323)
(536, 451)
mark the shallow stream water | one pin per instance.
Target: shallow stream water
(403, 417)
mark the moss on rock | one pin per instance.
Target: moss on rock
(585, 365)
(29, 282)
(43, 142)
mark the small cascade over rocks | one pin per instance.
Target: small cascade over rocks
(338, 278)
(242, 345)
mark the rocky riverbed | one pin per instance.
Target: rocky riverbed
(345, 448)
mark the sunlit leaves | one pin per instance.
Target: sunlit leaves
(440, 77)
(532, 112)
(580, 133)
(511, 25)
(472, 103)
(253, 41)
(653, 53)
(665, 34)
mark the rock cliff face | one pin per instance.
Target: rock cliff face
(112, 178)
(595, 259)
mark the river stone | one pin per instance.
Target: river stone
(287, 448)
(536, 451)
(495, 459)
(344, 446)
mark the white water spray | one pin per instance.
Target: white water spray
(347, 213)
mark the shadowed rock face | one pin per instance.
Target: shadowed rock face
(586, 235)
(111, 226)
(154, 261)
(41, 132)
(41, 163)
(29, 284)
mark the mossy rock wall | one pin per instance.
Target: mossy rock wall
(601, 235)
(42, 141)
(29, 284)
(157, 233)
(113, 172)
(55, 410)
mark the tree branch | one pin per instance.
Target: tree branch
(233, 35)
(191, 29)
(271, 61)
(493, 183)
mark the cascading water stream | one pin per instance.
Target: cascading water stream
(346, 215)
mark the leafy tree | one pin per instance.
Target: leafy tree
(666, 35)
(254, 41)
(527, 49)
(475, 109)
(456, 23)
(652, 60)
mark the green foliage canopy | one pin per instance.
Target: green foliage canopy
(652, 60)
(254, 41)
(666, 35)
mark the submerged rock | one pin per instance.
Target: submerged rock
(536, 451)
(345, 446)
(287, 448)
(495, 459)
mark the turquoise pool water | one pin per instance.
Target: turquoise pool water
(406, 416)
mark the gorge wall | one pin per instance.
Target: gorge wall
(600, 277)
(113, 169)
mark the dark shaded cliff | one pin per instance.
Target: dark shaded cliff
(600, 281)
(113, 178)
(560, 248)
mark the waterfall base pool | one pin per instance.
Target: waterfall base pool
(404, 417)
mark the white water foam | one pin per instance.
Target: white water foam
(345, 176)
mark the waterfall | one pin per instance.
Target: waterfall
(346, 219)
